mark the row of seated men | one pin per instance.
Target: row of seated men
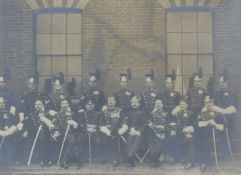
(63, 129)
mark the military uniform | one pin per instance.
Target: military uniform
(148, 99)
(8, 149)
(123, 98)
(158, 122)
(52, 101)
(181, 142)
(7, 94)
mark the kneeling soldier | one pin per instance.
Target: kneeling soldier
(184, 139)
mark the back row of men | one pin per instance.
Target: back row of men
(61, 128)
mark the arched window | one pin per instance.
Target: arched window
(189, 34)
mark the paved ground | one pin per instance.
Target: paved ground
(225, 168)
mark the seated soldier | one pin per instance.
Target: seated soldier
(137, 122)
(183, 136)
(112, 124)
(157, 122)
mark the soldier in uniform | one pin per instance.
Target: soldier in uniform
(158, 123)
(8, 127)
(137, 120)
(225, 98)
(196, 94)
(97, 96)
(7, 94)
(112, 125)
(149, 96)
(62, 120)
(124, 95)
(55, 92)
(88, 121)
(169, 96)
(206, 122)
(182, 139)
(39, 120)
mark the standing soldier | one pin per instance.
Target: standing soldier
(158, 122)
(182, 139)
(112, 124)
(97, 96)
(39, 126)
(65, 126)
(7, 94)
(225, 98)
(54, 92)
(149, 96)
(169, 96)
(8, 128)
(29, 97)
(196, 94)
(137, 122)
(123, 95)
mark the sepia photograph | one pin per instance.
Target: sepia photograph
(113, 87)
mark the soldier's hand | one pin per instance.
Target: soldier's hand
(212, 122)
(56, 135)
(132, 132)
(91, 130)
(52, 112)
(20, 126)
(138, 133)
(25, 134)
(3, 133)
(123, 129)
(73, 123)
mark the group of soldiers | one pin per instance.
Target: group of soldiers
(58, 127)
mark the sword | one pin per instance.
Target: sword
(138, 157)
(215, 148)
(33, 146)
(229, 144)
(90, 155)
(1, 144)
(62, 146)
(146, 153)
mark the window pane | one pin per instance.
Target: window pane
(59, 44)
(74, 44)
(174, 62)
(173, 22)
(205, 44)
(189, 43)
(58, 64)
(74, 65)
(44, 24)
(189, 64)
(204, 22)
(44, 65)
(78, 82)
(174, 43)
(205, 81)
(206, 62)
(189, 22)
(43, 44)
(186, 81)
(74, 23)
(42, 82)
(59, 23)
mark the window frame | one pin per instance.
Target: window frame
(194, 10)
(35, 14)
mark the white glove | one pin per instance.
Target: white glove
(123, 129)
(134, 132)
(25, 134)
(138, 133)
(73, 123)
(104, 108)
(52, 113)
(91, 130)
(105, 130)
(21, 116)
(160, 127)
(12, 110)
(188, 129)
(212, 122)
(56, 135)
(20, 126)
(3, 133)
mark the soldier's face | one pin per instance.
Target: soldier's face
(135, 104)
(89, 106)
(64, 105)
(38, 106)
(31, 85)
(123, 84)
(183, 105)
(169, 85)
(158, 104)
(208, 104)
(222, 84)
(197, 83)
(92, 84)
(2, 103)
(149, 84)
(111, 102)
